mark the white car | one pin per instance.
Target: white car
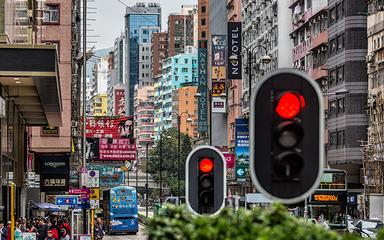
(368, 228)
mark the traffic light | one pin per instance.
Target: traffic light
(205, 180)
(286, 136)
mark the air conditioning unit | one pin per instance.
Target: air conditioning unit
(369, 58)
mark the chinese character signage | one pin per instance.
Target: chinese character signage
(119, 107)
(234, 50)
(218, 88)
(202, 81)
(242, 149)
(54, 170)
(218, 105)
(218, 50)
(117, 149)
(109, 127)
(50, 131)
(218, 72)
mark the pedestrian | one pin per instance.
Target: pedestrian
(99, 232)
(42, 230)
(49, 235)
(64, 235)
(3, 231)
(9, 230)
(18, 232)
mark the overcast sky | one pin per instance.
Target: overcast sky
(110, 18)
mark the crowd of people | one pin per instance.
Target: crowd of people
(48, 228)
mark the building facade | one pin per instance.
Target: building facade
(265, 32)
(159, 53)
(347, 118)
(99, 105)
(184, 104)
(180, 33)
(140, 15)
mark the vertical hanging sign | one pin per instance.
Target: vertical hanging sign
(202, 80)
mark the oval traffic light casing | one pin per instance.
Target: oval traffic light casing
(289, 105)
(206, 165)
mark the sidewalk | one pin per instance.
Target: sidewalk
(142, 211)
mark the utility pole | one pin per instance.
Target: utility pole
(84, 162)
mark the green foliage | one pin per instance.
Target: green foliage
(169, 159)
(380, 235)
(274, 223)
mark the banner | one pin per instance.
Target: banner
(242, 149)
(109, 127)
(117, 149)
(202, 59)
(234, 50)
(119, 102)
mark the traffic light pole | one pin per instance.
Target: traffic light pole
(178, 157)
(146, 179)
(161, 167)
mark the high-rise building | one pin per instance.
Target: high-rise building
(265, 26)
(140, 15)
(184, 104)
(145, 56)
(180, 33)
(159, 53)
(347, 116)
(203, 19)
(178, 71)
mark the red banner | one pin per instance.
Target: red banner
(109, 127)
(119, 102)
(117, 149)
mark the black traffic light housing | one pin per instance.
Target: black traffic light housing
(286, 136)
(205, 180)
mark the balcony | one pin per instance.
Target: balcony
(301, 18)
(302, 49)
(319, 72)
(320, 39)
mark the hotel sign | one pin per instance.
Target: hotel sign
(234, 50)
(202, 80)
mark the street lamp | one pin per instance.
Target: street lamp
(264, 59)
(189, 120)
(198, 95)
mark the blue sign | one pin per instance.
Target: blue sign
(67, 200)
(242, 149)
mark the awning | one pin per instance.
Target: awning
(46, 206)
(30, 72)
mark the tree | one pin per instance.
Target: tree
(169, 161)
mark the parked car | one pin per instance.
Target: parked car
(368, 228)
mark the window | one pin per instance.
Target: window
(332, 47)
(340, 42)
(340, 74)
(203, 34)
(51, 14)
(184, 70)
(194, 61)
(340, 106)
(176, 70)
(332, 140)
(332, 108)
(332, 16)
(186, 61)
(176, 60)
(332, 78)
(176, 78)
(340, 138)
(340, 10)
(203, 22)
(186, 78)
(203, 9)
(309, 4)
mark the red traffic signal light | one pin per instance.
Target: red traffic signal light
(289, 105)
(206, 165)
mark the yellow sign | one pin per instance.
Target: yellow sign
(326, 198)
(95, 194)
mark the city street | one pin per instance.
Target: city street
(140, 236)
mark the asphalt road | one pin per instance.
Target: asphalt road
(140, 236)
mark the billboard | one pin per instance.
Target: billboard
(109, 127)
(109, 176)
(218, 72)
(202, 59)
(54, 171)
(119, 99)
(234, 50)
(218, 105)
(117, 149)
(242, 149)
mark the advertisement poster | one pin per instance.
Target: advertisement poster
(234, 50)
(109, 176)
(219, 105)
(109, 127)
(119, 102)
(219, 47)
(117, 149)
(242, 149)
(54, 170)
(93, 179)
(230, 159)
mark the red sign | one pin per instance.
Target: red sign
(218, 88)
(119, 102)
(117, 149)
(109, 127)
(230, 158)
(84, 192)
